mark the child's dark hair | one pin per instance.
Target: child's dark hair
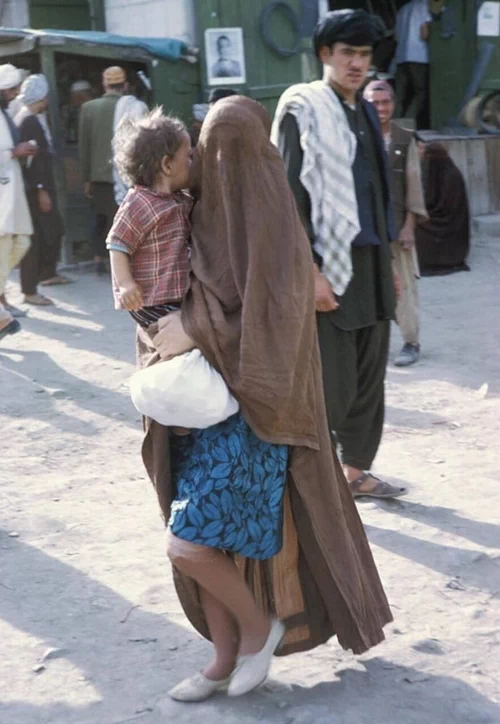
(140, 144)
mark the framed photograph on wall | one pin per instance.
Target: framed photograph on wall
(225, 56)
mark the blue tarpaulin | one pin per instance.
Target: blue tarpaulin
(168, 48)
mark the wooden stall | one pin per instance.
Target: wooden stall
(67, 56)
(478, 158)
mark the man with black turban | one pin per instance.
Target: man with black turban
(331, 142)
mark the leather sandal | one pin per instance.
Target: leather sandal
(38, 300)
(381, 489)
(56, 281)
(10, 328)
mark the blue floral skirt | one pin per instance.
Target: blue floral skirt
(229, 489)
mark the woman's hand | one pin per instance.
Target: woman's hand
(171, 339)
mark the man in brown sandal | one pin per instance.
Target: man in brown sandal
(409, 209)
(333, 148)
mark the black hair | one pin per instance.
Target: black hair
(354, 27)
(223, 37)
(218, 93)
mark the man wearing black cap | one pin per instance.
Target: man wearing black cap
(333, 148)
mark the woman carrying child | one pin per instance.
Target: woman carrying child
(268, 550)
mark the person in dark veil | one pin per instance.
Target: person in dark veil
(264, 536)
(443, 241)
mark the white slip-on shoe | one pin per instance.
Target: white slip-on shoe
(252, 670)
(197, 688)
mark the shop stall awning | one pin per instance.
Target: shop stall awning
(13, 40)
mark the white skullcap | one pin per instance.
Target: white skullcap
(35, 88)
(80, 85)
(10, 76)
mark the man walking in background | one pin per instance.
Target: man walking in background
(95, 137)
(409, 207)
(412, 60)
(39, 266)
(331, 142)
(15, 218)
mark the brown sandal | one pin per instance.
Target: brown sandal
(56, 281)
(381, 490)
(38, 300)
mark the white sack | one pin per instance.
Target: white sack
(185, 391)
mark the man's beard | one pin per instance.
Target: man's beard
(3, 100)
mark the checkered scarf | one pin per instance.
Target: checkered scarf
(329, 149)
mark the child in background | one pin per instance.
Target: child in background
(149, 239)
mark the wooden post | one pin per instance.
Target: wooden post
(48, 67)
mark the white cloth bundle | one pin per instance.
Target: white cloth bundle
(185, 391)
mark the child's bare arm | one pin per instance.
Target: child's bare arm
(130, 291)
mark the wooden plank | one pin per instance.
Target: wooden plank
(493, 171)
(477, 177)
(457, 151)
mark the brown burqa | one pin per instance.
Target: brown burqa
(443, 240)
(250, 310)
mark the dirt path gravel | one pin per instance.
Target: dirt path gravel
(90, 628)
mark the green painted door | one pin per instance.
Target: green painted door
(453, 50)
(60, 14)
(268, 72)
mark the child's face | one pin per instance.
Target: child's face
(180, 165)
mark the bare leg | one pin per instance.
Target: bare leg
(217, 574)
(225, 638)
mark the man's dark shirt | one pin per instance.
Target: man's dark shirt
(370, 295)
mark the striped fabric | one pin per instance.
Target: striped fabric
(147, 316)
(329, 149)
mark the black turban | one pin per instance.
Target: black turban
(354, 27)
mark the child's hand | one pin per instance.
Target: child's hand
(131, 296)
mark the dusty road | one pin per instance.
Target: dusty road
(83, 575)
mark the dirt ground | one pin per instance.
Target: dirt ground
(91, 631)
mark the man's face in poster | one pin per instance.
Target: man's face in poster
(224, 47)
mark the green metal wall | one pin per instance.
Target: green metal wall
(67, 14)
(176, 87)
(452, 61)
(268, 74)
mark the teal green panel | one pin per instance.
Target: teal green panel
(175, 87)
(452, 61)
(268, 73)
(60, 14)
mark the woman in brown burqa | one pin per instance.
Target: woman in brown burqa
(443, 240)
(250, 310)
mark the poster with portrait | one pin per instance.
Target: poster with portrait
(225, 56)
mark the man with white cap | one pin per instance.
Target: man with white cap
(95, 137)
(15, 218)
(39, 266)
(79, 93)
